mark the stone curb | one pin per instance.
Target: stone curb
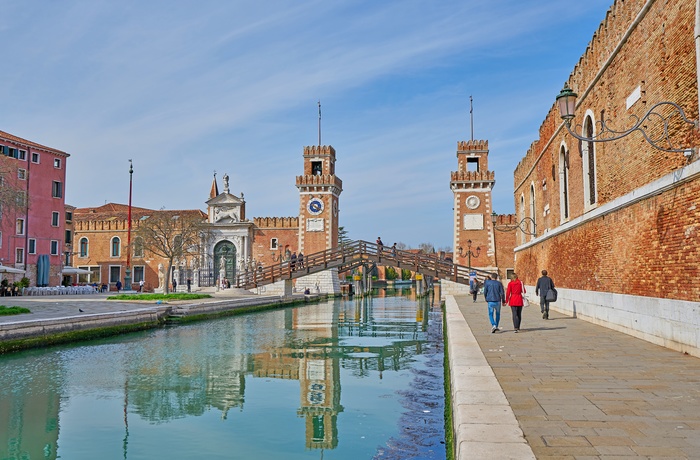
(484, 424)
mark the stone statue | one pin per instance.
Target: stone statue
(225, 183)
(161, 276)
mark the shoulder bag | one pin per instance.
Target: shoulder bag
(526, 301)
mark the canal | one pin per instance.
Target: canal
(341, 379)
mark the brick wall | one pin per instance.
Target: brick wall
(646, 248)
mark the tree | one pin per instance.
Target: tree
(172, 235)
(427, 248)
(401, 246)
(343, 236)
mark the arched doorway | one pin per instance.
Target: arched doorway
(225, 252)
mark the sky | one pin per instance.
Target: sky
(186, 88)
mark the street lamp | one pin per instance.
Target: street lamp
(511, 228)
(469, 254)
(566, 102)
(127, 274)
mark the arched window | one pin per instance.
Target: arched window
(564, 183)
(531, 225)
(138, 247)
(521, 216)
(83, 247)
(588, 151)
(116, 247)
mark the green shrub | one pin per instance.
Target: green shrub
(390, 273)
(4, 311)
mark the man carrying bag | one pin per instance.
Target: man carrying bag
(545, 289)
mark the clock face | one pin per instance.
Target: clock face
(473, 202)
(315, 206)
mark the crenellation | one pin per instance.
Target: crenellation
(473, 145)
(276, 222)
(314, 150)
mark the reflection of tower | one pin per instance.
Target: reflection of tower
(319, 193)
(471, 185)
(319, 379)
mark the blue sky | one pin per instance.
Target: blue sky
(185, 88)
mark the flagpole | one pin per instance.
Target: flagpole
(319, 123)
(471, 115)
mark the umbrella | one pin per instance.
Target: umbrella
(5, 269)
(68, 270)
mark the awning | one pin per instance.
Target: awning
(5, 269)
(68, 270)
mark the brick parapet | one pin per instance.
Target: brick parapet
(472, 146)
(325, 180)
(276, 222)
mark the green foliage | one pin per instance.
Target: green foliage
(343, 236)
(390, 273)
(405, 274)
(179, 296)
(5, 311)
(23, 283)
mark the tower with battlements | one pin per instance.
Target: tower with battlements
(319, 193)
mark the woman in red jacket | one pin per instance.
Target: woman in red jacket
(514, 298)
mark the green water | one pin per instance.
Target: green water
(346, 379)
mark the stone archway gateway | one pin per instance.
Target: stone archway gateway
(225, 259)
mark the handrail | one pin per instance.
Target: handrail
(353, 254)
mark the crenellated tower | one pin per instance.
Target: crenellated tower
(319, 192)
(471, 185)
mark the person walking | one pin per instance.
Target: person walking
(300, 259)
(293, 261)
(473, 285)
(495, 297)
(119, 286)
(544, 285)
(514, 298)
(141, 286)
(380, 245)
(189, 285)
(174, 285)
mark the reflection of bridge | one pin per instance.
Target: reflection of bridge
(353, 255)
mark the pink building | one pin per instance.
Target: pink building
(33, 224)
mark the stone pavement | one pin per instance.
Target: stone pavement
(581, 391)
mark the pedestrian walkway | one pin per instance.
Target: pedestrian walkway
(579, 390)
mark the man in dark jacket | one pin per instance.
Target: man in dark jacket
(495, 297)
(544, 285)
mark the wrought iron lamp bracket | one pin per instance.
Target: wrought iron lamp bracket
(519, 225)
(661, 142)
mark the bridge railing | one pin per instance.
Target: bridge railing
(353, 254)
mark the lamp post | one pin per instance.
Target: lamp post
(519, 225)
(469, 254)
(127, 275)
(566, 102)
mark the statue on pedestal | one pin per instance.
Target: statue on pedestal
(161, 277)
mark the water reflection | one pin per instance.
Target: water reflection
(185, 374)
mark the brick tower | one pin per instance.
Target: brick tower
(471, 185)
(319, 192)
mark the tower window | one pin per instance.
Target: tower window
(473, 164)
(316, 168)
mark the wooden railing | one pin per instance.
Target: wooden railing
(354, 254)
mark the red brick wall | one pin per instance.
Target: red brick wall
(646, 249)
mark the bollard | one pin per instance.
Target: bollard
(420, 287)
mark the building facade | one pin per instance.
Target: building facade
(33, 179)
(617, 222)
(231, 243)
